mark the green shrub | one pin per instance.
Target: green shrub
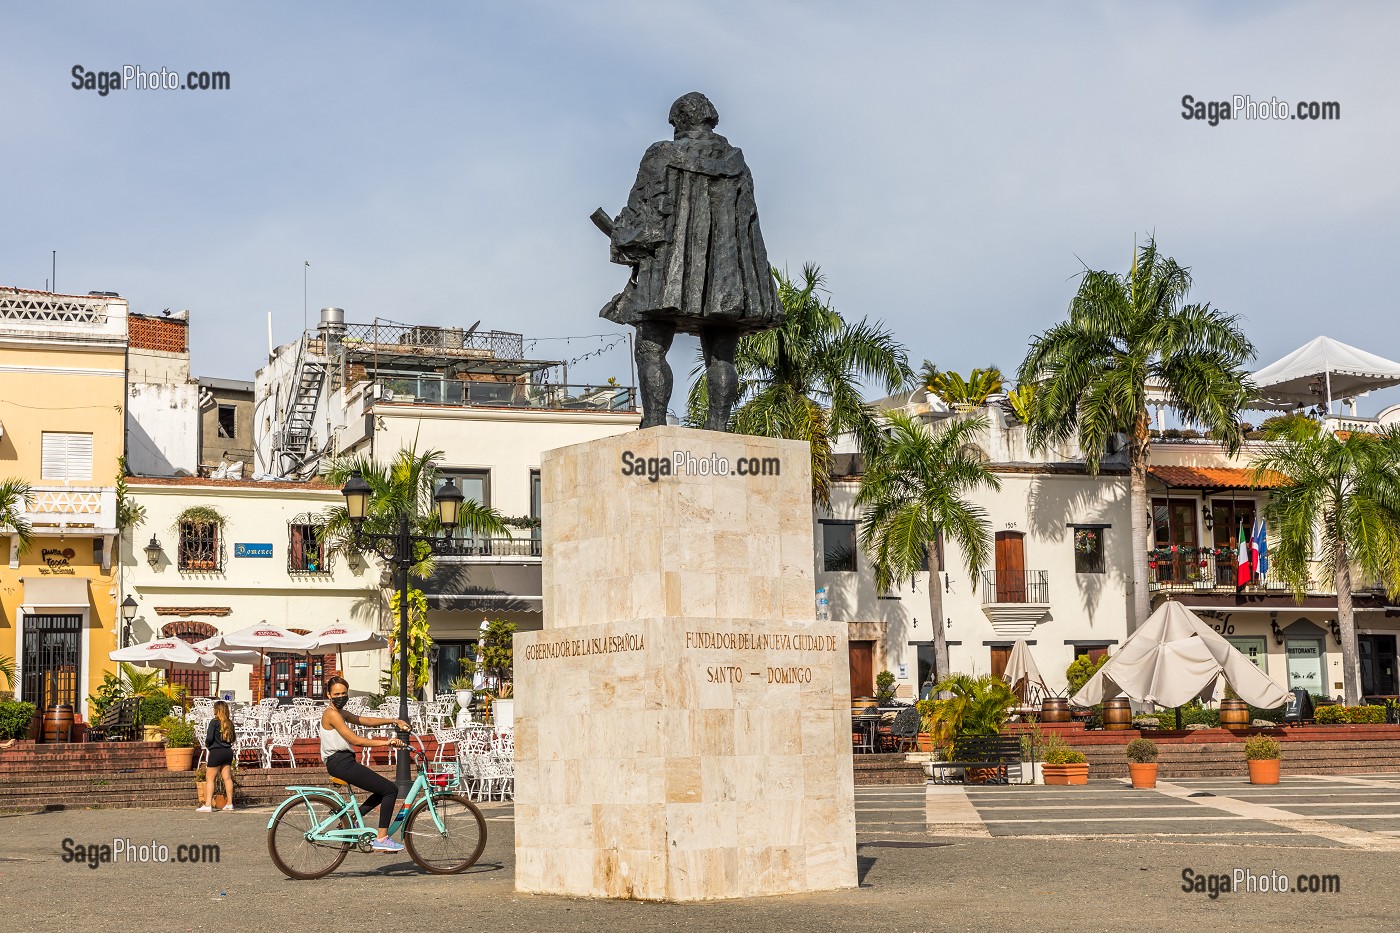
(1268, 715)
(1261, 748)
(1354, 715)
(154, 708)
(1080, 670)
(1142, 751)
(15, 719)
(178, 733)
(884, 686)
(108, 692)
(1197, 715)
(976, 706)
(1064, 755)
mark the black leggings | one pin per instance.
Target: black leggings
(344, 766)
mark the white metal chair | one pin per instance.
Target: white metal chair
(284, 731)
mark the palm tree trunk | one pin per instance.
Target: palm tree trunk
(1346, 621)
(1137, 529)
(935, 610)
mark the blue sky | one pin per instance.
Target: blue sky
(948, 166)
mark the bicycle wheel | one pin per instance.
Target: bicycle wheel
(296, 856)
(457, 847)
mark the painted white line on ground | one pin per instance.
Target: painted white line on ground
(1358, 838)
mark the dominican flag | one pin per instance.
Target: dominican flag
(1260, 557)
(1243, 567)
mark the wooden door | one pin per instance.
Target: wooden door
(862, 668)
(1011, 567)
(1000, 655)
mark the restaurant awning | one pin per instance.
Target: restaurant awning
(481, 587)
(45, 594)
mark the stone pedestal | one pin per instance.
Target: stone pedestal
(682, 722)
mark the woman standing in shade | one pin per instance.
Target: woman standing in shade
(219, 741)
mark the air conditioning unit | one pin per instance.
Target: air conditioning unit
(423, 337)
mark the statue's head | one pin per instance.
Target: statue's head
(693, 111)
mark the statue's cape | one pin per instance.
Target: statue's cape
(690, 232)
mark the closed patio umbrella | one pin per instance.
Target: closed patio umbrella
(1173, 658)
(1023, 675)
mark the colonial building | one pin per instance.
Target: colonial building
(1059, 573)
(473, 395)
(62, 411)
(218, 555)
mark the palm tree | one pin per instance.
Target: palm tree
(16, 498)
(1124, 332)
(404, 488)
(956, 391)
(914, 493)
(1339, 506)
(801, 380)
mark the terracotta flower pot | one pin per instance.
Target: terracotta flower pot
(179, 759)
(1263, 771)
(1067, 774)
(1144, 774)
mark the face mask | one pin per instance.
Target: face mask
(339, 702)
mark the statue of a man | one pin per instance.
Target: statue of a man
(690, 233)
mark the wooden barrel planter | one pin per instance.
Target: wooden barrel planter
(860, 704)
(1054, 709)
(1234, 713)
(58, 723)
(1117, 714)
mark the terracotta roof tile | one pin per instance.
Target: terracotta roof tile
(1213, 477)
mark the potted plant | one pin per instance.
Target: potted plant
(179, 743)
(503, 707)
(884, 688)
(1064, 765)
(969, 706)
(462, 689)
(1262, 752)
(1142, 763)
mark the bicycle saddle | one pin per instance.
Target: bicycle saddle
(337, 781)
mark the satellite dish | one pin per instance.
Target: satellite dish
(471, 330)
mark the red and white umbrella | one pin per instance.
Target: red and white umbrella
(265, 637)
(344, 638)
(171, 653)
(215, 643)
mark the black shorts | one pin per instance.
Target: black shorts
(219, 757)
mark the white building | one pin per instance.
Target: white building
(162, 400)
(375, 389)
(263, 561)
(1059, 574)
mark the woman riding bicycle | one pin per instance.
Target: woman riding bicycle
(337, 751)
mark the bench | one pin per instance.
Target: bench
(984, 751)
(118, 721)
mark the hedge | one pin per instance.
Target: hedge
(1350, 715)
(15, 719)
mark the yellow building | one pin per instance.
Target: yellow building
(62, 414)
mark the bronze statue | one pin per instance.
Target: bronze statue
(690, 233)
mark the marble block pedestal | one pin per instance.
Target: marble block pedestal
(682, 719)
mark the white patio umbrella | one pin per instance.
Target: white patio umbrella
(215, 643)
(170, 654)
(1174, 657)
(346, 638)
(262, 637)
(1022, 674)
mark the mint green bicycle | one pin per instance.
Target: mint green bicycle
(444, 832)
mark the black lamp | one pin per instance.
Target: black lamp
(153, 552)
(128, 615)
(356, 492)
(449, 503)
(1210, 519)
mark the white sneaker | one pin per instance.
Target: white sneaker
(205, 810)
(228, 806)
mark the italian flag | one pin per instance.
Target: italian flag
(1243, 568)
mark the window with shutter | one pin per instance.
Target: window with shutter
(66, 456)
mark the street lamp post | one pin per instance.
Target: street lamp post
(129, 608)
(397, 549)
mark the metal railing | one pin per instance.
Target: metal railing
(501, 345)
(427, 390)
(492, 547)
(1203, 569)
(1015, 586)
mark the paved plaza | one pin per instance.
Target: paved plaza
(1101, 857)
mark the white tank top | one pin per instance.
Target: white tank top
(332, 742)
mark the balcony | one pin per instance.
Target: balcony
(433, 390)
(1203, 570)
(73, 507)
(1015, 601)
(492, 547)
